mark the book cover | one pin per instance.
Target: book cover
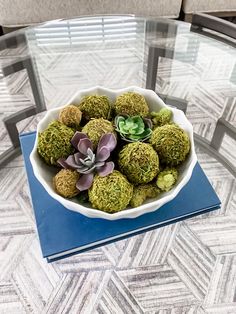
(63, 232)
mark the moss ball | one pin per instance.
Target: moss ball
(131, 104)
(167, 178)
(142, 192)
(54, 142)
(94, 107)
(64, 183)
(95, 128)
(161, 117)
(171, 143)
(70, 116)
(111, 193)
(139, 162)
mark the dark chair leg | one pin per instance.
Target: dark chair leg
(11, 121)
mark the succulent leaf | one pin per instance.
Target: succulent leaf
(90, 153)
(83, 145)
(76, 138)
(103, 154)
(106, 169)
(77, 156)
(108, 140)
(148, 122)
(71, 162)
(62, 162)
(100, 164)
(85, 182)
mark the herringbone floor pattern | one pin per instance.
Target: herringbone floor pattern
(188, 267)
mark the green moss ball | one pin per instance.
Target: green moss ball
(171, 143)
(94, 107)
(142, 192)
(70, 116)
(139, 162)
(167, 178)
(161, 117)
(111, 193)
(95, 128)
(54, 142)
(64, 183)
(131, 104)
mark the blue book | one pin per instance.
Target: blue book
(63, 232)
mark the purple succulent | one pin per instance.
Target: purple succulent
(86, 161)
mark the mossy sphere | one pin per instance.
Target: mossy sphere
(111, 193)
(64, 183)
(139, 162)
(70, 116)
(167, 178)
(95, 128)
(54, 142)
(142, 192)
(171, 143)
(161, 117)
(131, 104)
(94, 107)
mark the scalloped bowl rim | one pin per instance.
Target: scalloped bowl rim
(130, 212)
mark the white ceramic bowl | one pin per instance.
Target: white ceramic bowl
(45, 173)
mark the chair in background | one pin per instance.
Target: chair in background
(27, 63)
(226, 8)
(18, 13)
(204, 24)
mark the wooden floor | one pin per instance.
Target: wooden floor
(188, 267)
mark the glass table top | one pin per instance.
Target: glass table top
(42, 67)
(46, 64)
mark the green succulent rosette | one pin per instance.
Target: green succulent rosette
(133, 129)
